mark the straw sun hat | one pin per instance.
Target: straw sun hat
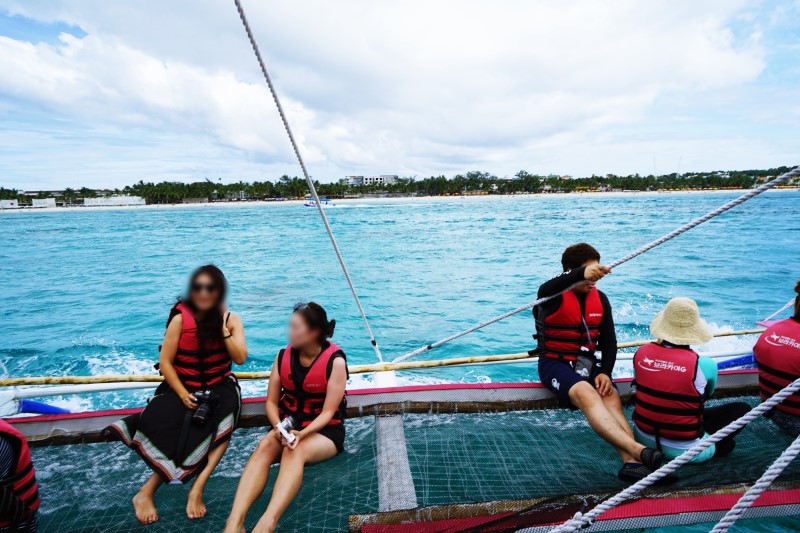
(680, 323)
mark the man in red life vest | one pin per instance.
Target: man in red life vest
(571, 328)
(778, 357)
(19, 492)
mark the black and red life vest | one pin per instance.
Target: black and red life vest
(569, 331)
(778, 358)
(667, 402)
(304, 401)
(199, 366)
(21, 483)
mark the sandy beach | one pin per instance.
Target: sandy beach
(360, 201)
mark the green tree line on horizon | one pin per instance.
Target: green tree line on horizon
(470, 182)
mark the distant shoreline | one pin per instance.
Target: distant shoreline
(377, 200)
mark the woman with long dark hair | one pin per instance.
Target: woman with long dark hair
(307, 384)
(185, 428)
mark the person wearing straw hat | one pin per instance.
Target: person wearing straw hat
(673, 384)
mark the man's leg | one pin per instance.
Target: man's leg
(614, 404)
(584, 396)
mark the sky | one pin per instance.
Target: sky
(104, 93)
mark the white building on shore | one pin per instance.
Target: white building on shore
(43, 202)
(9, 204)
(108, 201)
(383, 179)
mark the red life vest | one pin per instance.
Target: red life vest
(563, 333)
(304, 401)
(199, 366)
(778, 358)
(667, 403)
(22, 480)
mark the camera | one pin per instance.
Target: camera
(285, 427)
(206, 402)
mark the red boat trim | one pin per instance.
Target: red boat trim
(695, 504)
(643, 508)
(445, 386)
(353, 392)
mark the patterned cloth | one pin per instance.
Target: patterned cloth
(166, 438)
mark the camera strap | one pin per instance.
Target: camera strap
(180, 452)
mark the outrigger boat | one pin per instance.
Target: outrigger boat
(437, 458)
(440, 457)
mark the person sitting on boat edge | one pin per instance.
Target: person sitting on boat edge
(18, 487)
(777, 354)
(185, 428)
(570, 329)
(673, 383)
(307, 383)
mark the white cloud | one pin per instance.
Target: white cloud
(410, 87)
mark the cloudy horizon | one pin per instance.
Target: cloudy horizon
(102, 94)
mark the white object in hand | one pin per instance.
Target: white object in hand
(285, 427)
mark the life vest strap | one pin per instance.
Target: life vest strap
(695, 427)
(669, 395)
(777, 373)
(201, 354)
(14, 478)
(694, 411)
(568, 340)
(566, 327)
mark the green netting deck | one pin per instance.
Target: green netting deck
(454, 458)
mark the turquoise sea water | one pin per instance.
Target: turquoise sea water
(87, 292)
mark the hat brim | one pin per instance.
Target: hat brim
(697, 333)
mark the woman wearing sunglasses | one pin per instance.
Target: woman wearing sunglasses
(185, 428)
(307, 383)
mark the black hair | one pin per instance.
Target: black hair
(577, 254)
(316, 318)
(209, 327)
(797, 302)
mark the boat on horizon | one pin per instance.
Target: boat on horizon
(323, 201)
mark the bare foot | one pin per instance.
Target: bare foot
(145, 508)
(195, 508)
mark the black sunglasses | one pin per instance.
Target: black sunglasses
(299, 306)
(204, 287)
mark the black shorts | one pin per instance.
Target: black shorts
(559, 376)
(336, 434)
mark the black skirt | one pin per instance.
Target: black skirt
(167, 439)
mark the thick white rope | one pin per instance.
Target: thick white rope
(763, 483)
(310, 182)
(582, 520)
(789, 304)
(647, 247)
